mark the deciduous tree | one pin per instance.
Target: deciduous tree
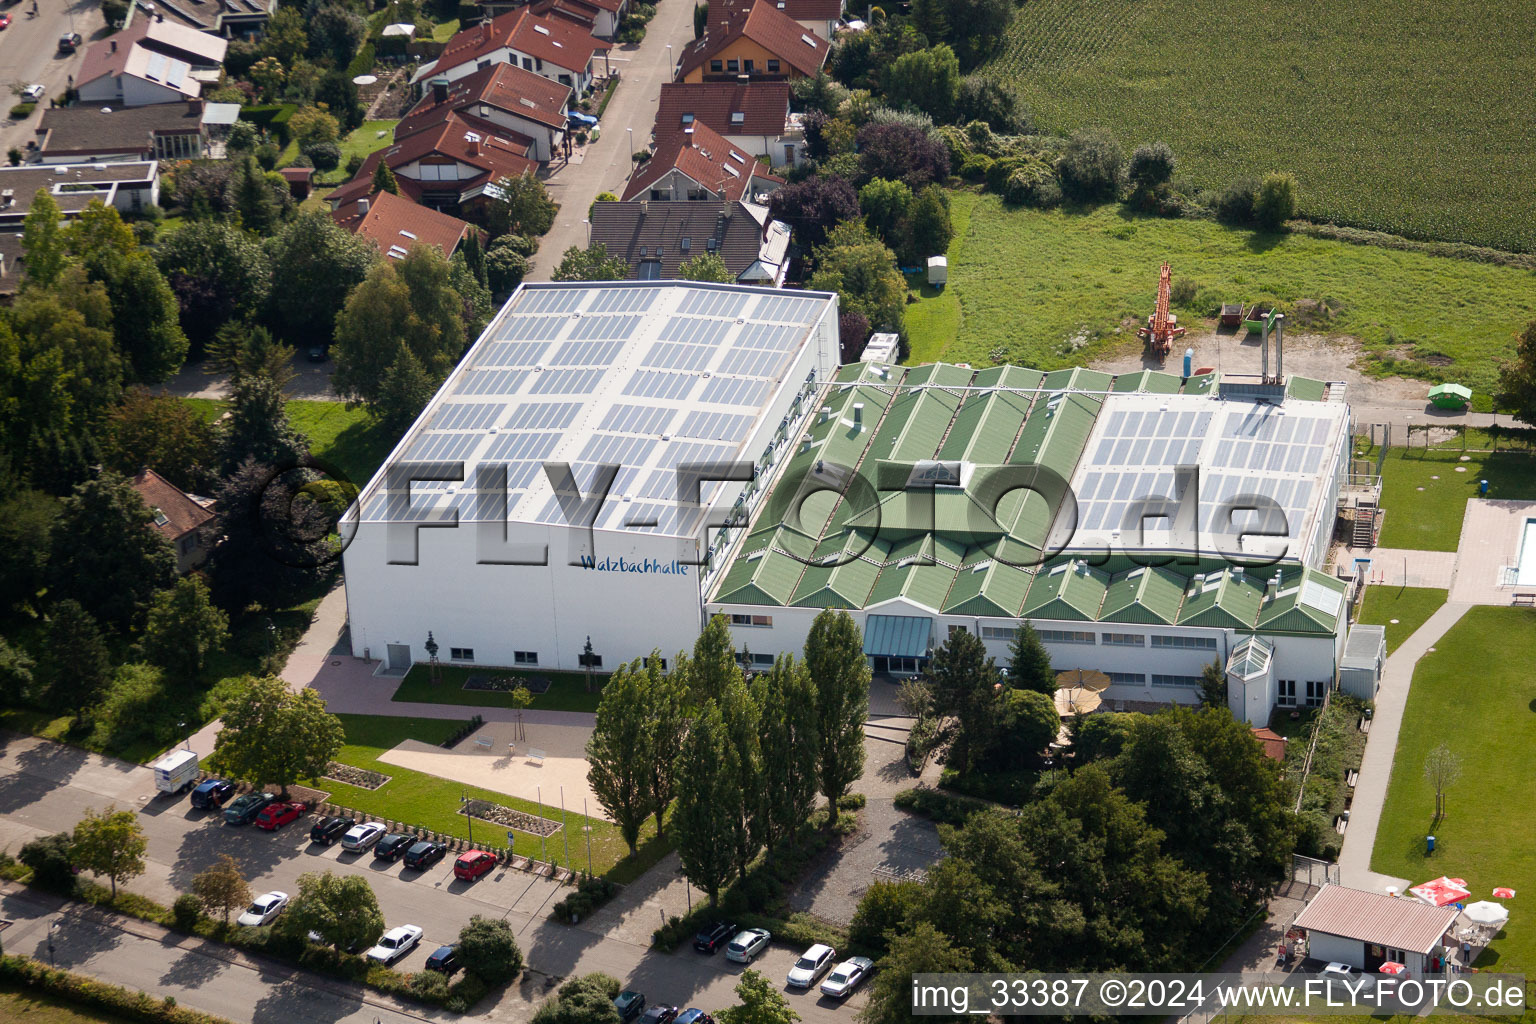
(788, 746)
(1091, 166)
(619, 753)
(272, 735)
(106, 552)
(112, 844)
(221, 889)
(760, 1003)
(739, 716)
(342, 910)
(164, 433)
(902, 152)
(1442, 769)
(920, 950)
(217, 272)
(522, 208)
(813, 206)
(706, 266)
(42, 241)
(592, 264)
(862, 270)
(1517, 377)
(411, 307)
(315, 266)
(1275, 201)
(707, 825)
(488, 950)
(834, 657)
(927, 80)
(184, 628)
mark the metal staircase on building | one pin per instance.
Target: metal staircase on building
(1365, 526)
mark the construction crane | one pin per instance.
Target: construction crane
(1162, 326)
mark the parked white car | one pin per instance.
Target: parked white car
(395, 944)
(813, 963)
(34, 92)
(263, 909)
(847, 976)
(360, 837)
(743, 949)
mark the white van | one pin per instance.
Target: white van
(176, 772)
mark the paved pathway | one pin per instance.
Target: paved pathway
(606, 164)
(29, 53)
(1399, 567)
(1491, 536)
(1381, 746)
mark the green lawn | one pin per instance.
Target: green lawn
(1312, 87)
(427, 801)
(567, 690)
(1474, 694)
(349, 439)
(1425, 498)
(936, 316)
(1056, 288)
(20, 1005)
(1409, 606)
(361, 141)
(444, 31)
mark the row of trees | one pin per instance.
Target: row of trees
(742, 762)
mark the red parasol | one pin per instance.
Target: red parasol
(1503, 893)
(1460, 883)
(1441, 891)
(1393, 967)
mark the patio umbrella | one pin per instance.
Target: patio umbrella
(1486, 913)
(1076, 701)
(1393, 967)
(1450, 396)
(1460, 883)
(1440, 892)
(1503, 893)
(1084, 678)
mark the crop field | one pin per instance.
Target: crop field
(1395, 115)
(1051, 289)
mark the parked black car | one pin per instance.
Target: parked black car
(629, 1003)
(446, 960)
(713, 937)
(69, 42)
(243, 809)
(392, 846)
(211, 793)
(328, 830)
(424, 854)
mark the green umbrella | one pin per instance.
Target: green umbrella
(1450, 396)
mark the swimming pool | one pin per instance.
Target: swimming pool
(1525, 573)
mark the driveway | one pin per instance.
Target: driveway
(311, 381)
(44, 787)
(29, 53)
(626, 127)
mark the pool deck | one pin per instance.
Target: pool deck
(1491, 535)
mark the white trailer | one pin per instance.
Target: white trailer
(176, 772)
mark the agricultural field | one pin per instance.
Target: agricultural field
(1395, 115)
(1059, 288)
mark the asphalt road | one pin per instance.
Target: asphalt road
(29, 53)
(45, 787)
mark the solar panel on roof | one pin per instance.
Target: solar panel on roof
(671, 355)
(586, 353)
(567, 382)
(544, 415)
(511, 353)
(489, 382)
(155, 69)
(175, 72)
(715, 303)
(434, 445)
(511, 447)
(751, 362)
(620, 300)
(719, 426)
(637, 419)
(734, 391)
(550, 300)
(659, 384)
(522, 328)
(464, 416)
(605, 327)
(695, 330)
(619, 449)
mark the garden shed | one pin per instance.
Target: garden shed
(1365, 652)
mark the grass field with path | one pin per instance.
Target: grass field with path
(567, 690)
(1474, 693)
(1410, 606)
(350, 439)
(416, 798)
(1425, 498)
(1053, 289)
(1406, 116)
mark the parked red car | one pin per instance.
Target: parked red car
(473, 864)
(275, 816)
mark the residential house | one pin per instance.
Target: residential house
(695, 163)
(394, 224)
(86, 134)
(656, 237)
(126, 187)
(448, 166)
(179, 517)
(820, 16)
(520, 101)
(752, 116)
(554, 48)
(758, 42)
(153, 61)
(601, 16)
(232, 19)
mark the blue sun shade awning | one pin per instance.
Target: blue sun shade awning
(897, 636)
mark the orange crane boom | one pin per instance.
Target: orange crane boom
(1162, 327)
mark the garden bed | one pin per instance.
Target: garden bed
(507, 817)
(362, 778)
(506, 684)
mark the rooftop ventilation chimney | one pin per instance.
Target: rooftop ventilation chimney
(1280, 347)
(826, 413)
(858, 412)
(439, 90)
(112, 46)
(362, 205)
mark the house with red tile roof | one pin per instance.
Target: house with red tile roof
(603, 16)
(696, 163)
(448, 166)
(820, 16)
(179, 517)
(655, 238)
(150, 62)
(758, 42)
(519, 101)
(395, 224)
(752, 116)
(554, 48)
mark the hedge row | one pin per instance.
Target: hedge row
(24, 972)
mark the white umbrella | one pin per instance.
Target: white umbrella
(1486, 913)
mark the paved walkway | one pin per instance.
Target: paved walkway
(1381, 746)
(1401, 567)
(1491, 535)
(606, 164)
